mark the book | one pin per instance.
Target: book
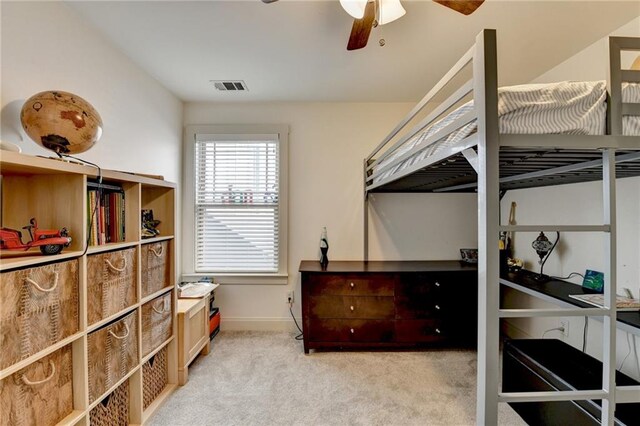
(622, 303)
(105, 213)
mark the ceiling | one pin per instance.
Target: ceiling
(296, 50)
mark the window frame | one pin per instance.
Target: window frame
(189, 210)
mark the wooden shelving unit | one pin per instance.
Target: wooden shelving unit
(55, 192)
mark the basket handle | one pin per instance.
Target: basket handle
(44, 290)
(28, 382)
(164, 308)
(126, 334)
(157, 253)
(115, 268)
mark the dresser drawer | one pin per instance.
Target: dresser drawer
(352, 284)
(374, 307)
(422, 285)
(420, 331)
(111, 283)
(38, 307)
(423, 308)
(344, 330)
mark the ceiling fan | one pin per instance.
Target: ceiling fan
(368, 14)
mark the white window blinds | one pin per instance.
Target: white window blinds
(237, 203)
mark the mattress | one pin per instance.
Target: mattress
(556, 108)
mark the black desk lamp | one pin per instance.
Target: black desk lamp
(544, 248)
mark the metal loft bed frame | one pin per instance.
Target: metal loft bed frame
(508, 161)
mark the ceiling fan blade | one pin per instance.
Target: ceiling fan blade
(465, 7)
(362, 28)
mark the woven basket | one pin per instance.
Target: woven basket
(155, 267)
(39, 394)
(113, 410)
(154, 377)
(38, 307)
(157, 322)
(113, 353)
(111, 283)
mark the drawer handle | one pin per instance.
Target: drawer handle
(28, 382)
(352, 331)
(352, 308)
(157, 253)
(438, 307)
(44, 290)
(126, 334)
(352, 285)
(115, 268)
(164, 308)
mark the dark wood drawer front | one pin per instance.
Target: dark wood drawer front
(373, 307)
(352, 284)
(422, 308)
(341, 330)
(420, 331)
(420, 286)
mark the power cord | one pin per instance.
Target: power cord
(568, 276)
(95, 207)
(299, 336)
(584, 334)
(553, 329)
(628, 353)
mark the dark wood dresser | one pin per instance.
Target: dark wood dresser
(390, 304)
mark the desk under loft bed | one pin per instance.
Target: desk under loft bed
(475, 148)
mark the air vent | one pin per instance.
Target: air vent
(230, 86)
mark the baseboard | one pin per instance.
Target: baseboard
(258, 324)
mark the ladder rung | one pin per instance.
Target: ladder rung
(551, 396)
(626, 394)
(568, 312)
(560, 228)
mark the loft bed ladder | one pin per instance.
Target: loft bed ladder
(610, 394)
(486, 162)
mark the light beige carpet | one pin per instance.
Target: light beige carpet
(264, 378)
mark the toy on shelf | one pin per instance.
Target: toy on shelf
(50, 241)
(149, 225)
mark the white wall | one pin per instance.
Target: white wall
(327, 145)
(46, 46)
(580, 204)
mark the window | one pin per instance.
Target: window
(238, 190)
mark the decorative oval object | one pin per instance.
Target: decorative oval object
(61, 121)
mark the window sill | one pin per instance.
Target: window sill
(241, 279)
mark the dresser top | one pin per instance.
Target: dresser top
(341, 266)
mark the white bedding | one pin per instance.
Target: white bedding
(565, 107)
(631, 94)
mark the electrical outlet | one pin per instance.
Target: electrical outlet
(565, 326)
(290, 297)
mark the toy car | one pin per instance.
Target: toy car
(50, 241)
